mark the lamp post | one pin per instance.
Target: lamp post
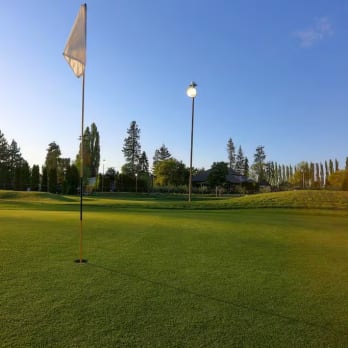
(191, 93)
(136, 182)
(103, 177)
(303, 182)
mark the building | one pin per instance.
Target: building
(234, 181)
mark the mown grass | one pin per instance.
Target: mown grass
(172, 277)
(290, 199)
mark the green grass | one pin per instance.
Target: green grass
(290, 199)
(208, 275)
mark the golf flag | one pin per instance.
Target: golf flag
(75, 48)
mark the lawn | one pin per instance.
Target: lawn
(161, 273)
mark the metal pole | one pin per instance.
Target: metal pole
(190, 180)
(81, 162)
(103, 179)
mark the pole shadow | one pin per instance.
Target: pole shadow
(224, 301)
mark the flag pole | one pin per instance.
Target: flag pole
(81, 166)
(75, 55)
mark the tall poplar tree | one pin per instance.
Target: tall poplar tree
(311, 174)
(326, 172)
(259, 163)
(322, 175)
(317, 174)
(336, 165)
(331, 167)
(94, 145)
(91, 152)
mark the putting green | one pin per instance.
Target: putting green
(161, 277)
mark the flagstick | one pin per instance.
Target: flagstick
(81, 161)
(81, 260)
(75, 55)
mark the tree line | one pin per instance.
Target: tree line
(62, 175)
(304, 175)
(15, 172)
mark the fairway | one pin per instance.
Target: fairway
(172, 277)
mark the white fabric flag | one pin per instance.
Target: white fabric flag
(75, 48)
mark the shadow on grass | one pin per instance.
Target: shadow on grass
(224, 301)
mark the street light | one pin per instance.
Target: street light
(191, 93)
(136, 182)
(103, 176)
(302, 171)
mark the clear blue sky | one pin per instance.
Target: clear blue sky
(272, 73)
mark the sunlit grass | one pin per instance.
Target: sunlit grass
(172, 277)
(290, 199)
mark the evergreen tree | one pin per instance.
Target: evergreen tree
(131, 148)
(62, 167)
(14, 162)
(231, 152)
(246, 167)
(143, 163)
(51, 164)
(4, 159)
(35, 178)
(239, 166)
(161, 154)
(44, 179)
(22, 176)
(72, 179)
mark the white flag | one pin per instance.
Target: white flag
(75, 48)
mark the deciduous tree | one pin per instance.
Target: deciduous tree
(217, 174)
(259, 163)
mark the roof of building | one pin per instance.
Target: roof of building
(232, 177)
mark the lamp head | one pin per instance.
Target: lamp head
(191, 90)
